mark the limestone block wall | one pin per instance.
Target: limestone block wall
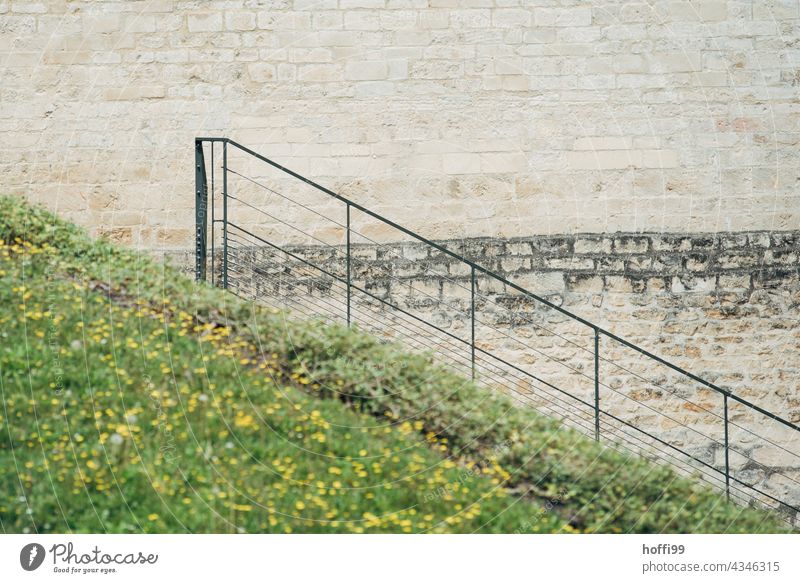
(512, 117)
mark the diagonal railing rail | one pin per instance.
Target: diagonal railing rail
(268, 252)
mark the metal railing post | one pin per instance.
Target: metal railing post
(213, 220)
(200, 206)
(472, 317)
(349, 282)
(596, 384)
(727, 458)
(225, 215)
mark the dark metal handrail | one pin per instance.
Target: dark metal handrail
(474, 269)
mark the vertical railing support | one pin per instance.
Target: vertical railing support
(349, 285)
(225, 215)
(596, 384)
(200, 211)
(727, 449)
(472, 318)
(213, 220)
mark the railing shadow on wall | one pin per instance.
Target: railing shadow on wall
(267, 233)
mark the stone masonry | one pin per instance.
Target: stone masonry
(513, 117)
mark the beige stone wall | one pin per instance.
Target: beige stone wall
(509, 117)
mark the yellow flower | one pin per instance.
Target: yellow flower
(152, 517)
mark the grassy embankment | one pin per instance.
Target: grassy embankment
(136, 401)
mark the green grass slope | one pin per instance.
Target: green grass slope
(134, 400)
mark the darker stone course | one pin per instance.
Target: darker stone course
(584, 263)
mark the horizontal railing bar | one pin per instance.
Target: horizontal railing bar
(527, 374)
(503, 280)
(713, 440)
(721, 472)
(589, 405)
(446, 277)
(401, 310)
(763, 412)
(486, 353)
(614, 443)
(661, 441)
(291, 304)
(341, 280)
(567, 415)
(499, 379)
(534, 377)
(568, 412)
(463, 341)
(598, 330)
(406, 231)
(771, 497)
(576, 370)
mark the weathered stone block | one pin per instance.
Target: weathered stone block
(639, 263)
(733, 282)
(121, 235)
(207, 22)
(603, 143)
(707, 11)
(319, 72)
(631, 244)
(552, 245)
(676, 62)
(573, 263)
(593, 245)
(618, 284)
(240, 21)
(513, 264)
(366, 70)
(659, 159)
(461, 163)
(585, 283)
(518, 248)
(262, 72)
(541, 282)
(511, 17)
(604, 159)
(173, 237)
(697, 262)
(571, 17)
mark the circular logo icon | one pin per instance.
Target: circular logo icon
(31, 556)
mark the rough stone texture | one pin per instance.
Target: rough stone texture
(522, 117)
(724, 307)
